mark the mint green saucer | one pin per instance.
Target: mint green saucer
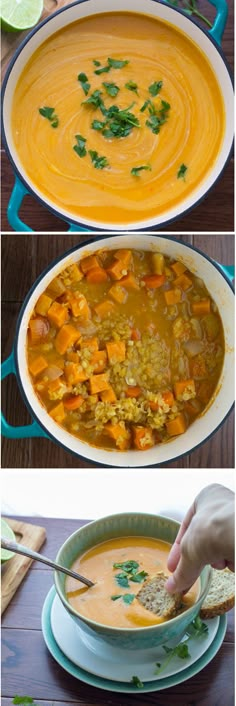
(123, 688)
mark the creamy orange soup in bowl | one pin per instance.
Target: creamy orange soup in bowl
(118, 554)
(118, 118)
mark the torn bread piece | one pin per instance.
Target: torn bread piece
(154, 597)
(221, 595)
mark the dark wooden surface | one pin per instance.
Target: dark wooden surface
(23, 258)
(215, 213)
(28, 668)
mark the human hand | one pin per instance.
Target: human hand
(206, 536)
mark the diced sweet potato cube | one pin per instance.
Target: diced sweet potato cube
(167, 397)
(105, 309)
(158, 263)
(118, 293)
(57, 314)
(80, 307)
(99, 361)
(129, 281)
(176, 426)
(43, 304)
(178, 268)
(116, 351)
(182, 386)
(117, 269)
(183, 282)
(173, 296)
(98, 383)
(143, 438)
(54, 385)
(88, 263)
(119, 434)
(73, 357)
(96, 275)
(202, 307)
(124, 255)
(58, 412)
(38, 365)
(74, 402)
(108, 395)
(90, 343)
(66, 337)
(75, 373)
(133, 391)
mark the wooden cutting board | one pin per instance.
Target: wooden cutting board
(14, 570)
(11, 40)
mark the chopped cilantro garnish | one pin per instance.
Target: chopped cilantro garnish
(137, 682)
(126, 597)
(135, 171)
(115, 598)
(182, 171)
(145, 105)
(122, 580)
(98, 125)
(49, 114)
(132, 86)
(83, 79)
(111, 89)
(155, 87)
(116, 63)
(127, 565)
(157, 116)
(98, 161)
(80, 148)
(96, 62)
(95, 100)
(197, 628)
(138, 578)
(102, 70)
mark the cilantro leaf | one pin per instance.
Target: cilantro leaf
(111, 89)
(115, 598)
(83, 79)
(127, 565)
(122, 580)
(197, 628)
(98, 161)
(95, 100)
(23, 700)
(145, 105)
(132, 86)
(138, 578)
(102, 70)
(190, 7)
(135, 171)
(182, 171)
(49, 114)
(128, 598)
(155, 87)
(137, 682)
(157, 116)
(80, 148)
(98, 125)
(116, 63)
(96, 62)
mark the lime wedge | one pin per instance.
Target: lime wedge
(20, 14)
(6, 531)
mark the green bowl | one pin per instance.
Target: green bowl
(123, 525)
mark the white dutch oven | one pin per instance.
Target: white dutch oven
(220, 289)
(209, 43)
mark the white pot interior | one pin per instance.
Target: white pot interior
(206, 424)
(163, 12)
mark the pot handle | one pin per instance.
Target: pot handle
(218, 28)
(228, 270)
(18, 193)
(29, 430)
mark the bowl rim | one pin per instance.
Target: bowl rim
(27, 401)
(98, 227)
(122, 630)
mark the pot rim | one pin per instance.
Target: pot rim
(122, 630)
(27, 401)
(85, 222)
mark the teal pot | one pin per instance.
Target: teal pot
(217, 280)
(209, 41)
(123, 525)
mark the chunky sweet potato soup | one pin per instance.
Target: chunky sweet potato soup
(125, 348)
(118, 117)
(118, 568)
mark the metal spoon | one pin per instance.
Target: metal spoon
(20, 549)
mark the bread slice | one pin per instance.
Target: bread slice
(154, 597)
(221, 595)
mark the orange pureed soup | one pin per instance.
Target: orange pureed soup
(112, 600)
(118, 117)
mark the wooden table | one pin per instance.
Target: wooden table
(215, 213)
(28, 668)
(23, 258)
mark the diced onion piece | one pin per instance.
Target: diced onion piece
(193, 347)
(53, 372)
